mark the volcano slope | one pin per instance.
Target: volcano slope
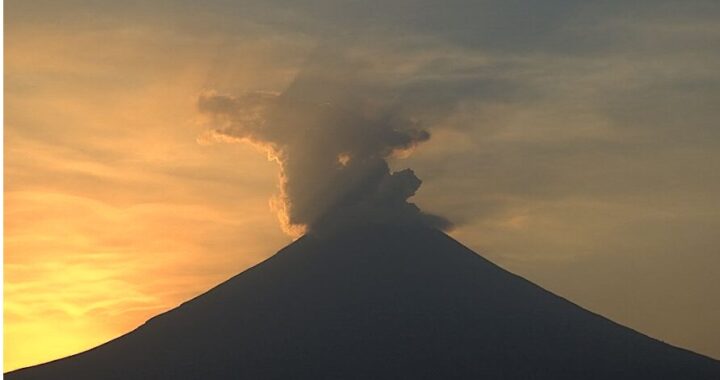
(379, 302)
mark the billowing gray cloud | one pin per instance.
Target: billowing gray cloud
(563, 130)
(332, 143)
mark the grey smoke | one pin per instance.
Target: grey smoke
(332, 142)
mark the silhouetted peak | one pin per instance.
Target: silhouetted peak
(379, 301)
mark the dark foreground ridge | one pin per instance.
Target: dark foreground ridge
(379, 303)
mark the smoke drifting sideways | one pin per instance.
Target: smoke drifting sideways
(332, 147)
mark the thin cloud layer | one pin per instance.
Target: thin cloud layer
(572, 141)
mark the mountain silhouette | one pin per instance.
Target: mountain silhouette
(379, 302)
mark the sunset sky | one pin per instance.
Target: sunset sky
(574, 144)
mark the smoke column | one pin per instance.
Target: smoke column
(331, 134)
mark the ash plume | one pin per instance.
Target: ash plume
(332, 141)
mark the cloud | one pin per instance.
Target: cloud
(332, 143)
(582, 133)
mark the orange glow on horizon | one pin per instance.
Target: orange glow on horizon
(121, 202)
(114, 211)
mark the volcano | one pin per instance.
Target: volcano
(379, 302)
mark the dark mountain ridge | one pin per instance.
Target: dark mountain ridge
(379, 302)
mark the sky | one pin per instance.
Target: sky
(576, 144)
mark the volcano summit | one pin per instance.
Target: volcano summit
(379, 302)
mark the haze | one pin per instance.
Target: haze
(575, 144)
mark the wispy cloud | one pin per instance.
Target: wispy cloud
(565, 136)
